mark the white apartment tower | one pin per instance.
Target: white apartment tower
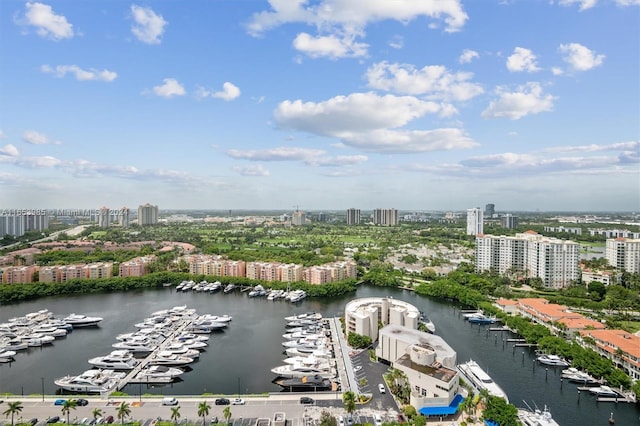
(298, 218)
(475, 221)
(147, 215)
(123, 217)
(103, 217)
(624, 254)
(385, 217)
(353, 216)
(554, 261)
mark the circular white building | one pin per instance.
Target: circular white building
(367, 315)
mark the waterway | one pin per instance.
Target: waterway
(239, 359)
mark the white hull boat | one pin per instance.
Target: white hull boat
(91, 381)
(478, 378)
(78, 320)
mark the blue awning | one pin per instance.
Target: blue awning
(443, 410)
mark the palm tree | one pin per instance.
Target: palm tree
(175, 414)
(123, 411)
(13, 408)
(69, 404)
(96, 413)
(203, 411)
(226, 413)
(349, 399)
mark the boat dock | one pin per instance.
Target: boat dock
(131, 377)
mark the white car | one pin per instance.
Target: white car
(381, 388)
(340, 421)
(237, 401)
(357, 368)
(377, 419)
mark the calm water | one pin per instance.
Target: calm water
(239, 360)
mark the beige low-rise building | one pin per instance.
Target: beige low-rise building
(362, 316)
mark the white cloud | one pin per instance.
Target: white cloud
(9, 150)
(252, 170)
(169, 89)
(522, 60)
(410, 141)
(397, 42)
(620, 146)
(584, 4)
(627, 2)
(229, 92)
(148, 26)
(36, 138)
(528, 99)
(276, 154)
(47, 23)
(80, 74)
(337, 161)
(330, 46)
(2, 135)
(579, 57)
(467, 56)
(557, 71)
(435, 81)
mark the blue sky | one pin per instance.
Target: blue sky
(321, 104)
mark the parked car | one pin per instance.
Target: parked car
(108, 419)
(59, 401)
(306, 400)
(33, 421)
(377, 418)
(357, 368)
(237, 401)
(54, 419)
(82, 402)
(169, 401)
(340, 421)
(381, 388)
(222, 401)
(214, 420)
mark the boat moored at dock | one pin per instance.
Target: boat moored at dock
(479, 379)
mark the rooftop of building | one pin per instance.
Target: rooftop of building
(436, 371)
(417, 337)
(625, 341)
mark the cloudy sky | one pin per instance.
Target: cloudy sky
(321, 104)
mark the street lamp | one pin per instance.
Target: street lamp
(42, 379)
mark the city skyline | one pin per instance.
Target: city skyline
(416, 105)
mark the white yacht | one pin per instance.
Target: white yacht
(320, 352)
(14, 344)
(577, 376)
(302, 370)
(536, 417)
(297, 296)
(215, 318)
(479, 379)
(116, 360)
(78, 320)
(159, 371)
(307, 315)
(168, 358)
(6, 356)
(604, 391)
(303, 335)
(91, 381)
(180, 349)
(553, 360)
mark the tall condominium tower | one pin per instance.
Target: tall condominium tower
(103, 217)
(489, 210)
(123, 217)
(474, 221)
(147, 215)
(385, 217)
(298, 218)
(353, 216)
(624, 254)
(509, 221)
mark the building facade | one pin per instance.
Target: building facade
(362, 316)
(624, 254)
(17, 224)
(475, 221)
(509, 221)
(385, 217)
(298, 218)
(147, 215)
(353, 216)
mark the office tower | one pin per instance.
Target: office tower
(353, 216)
(509, 221)
(489, 210)
(474, 221)
(147, 215)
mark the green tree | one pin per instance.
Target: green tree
(326, 419)
(97, 413)
(124, 410)
(175, 414)
(203, 411)
(349, 400)
(226, 413)
(69, 404)
(13, 408)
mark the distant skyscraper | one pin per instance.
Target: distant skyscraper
(385, 217)
(298, 218)
(147, 215)
(509, 221)
(489, 210)
(474, 221)
(103, 217)
(353, 216)
(20, 222)
(123, 217)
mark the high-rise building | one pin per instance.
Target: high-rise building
(353, 216)
(147, 215)
(23, 221)
(554, 261)
(123, 217)
(475, 221)
(624, 254)
(298, 218)
(489, 210)
(385, 217)
(103, 217)
(509, 221)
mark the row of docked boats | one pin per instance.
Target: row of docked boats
(258, 290)
(309, 364)
(159, 351)
(479, 318)
(37, 329)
